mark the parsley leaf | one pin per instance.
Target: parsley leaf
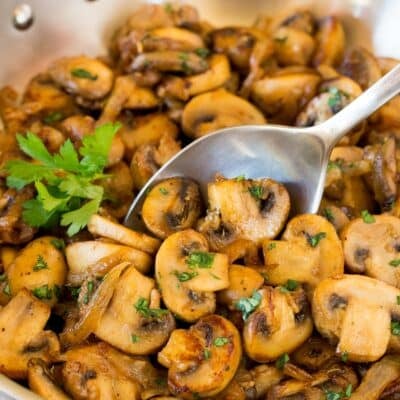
(184, 58)
(185, 276)
(43, 292)
(40, 264)
(398, 300)
(367, 217)
(142, 307)
(135, 338)
(221, 341)
(248, 304)
(200, 259)
(331, 395)
(83, 74)
(344, 356)
(395, 328)
(59, 244)
(395, 262)
(54, 116)
(291, 285)
(207, 354)
(327, 213)
(314, 240)
(202, 52)
(67, 186)
(163, 191)
(256, 191)
(282, 361)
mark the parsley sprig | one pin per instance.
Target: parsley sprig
(67, 186)
(143, 308)
(248, 304)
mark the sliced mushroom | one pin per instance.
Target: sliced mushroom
(78, 126)
(183, 88)
(22, 336)
(335, 215)
(96, 258)
(293, 46)
(242, 249)
(188, 274)
(82, 76)
(245, 209)
(386, 64)
(89, 373)
(172, 205)
(302, 20)
(360, 65)
(148, 158)
(40, 267)
(141, 328)
(243, 282)
(355, 312)
(146, 130)
(42, 382)
(311, 243)
(280, 324)
(215, 110)
(202, 359)
(100, 226)
(373, 248)
(330, 42)
(281, 96)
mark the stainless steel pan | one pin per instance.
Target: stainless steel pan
(70, 27)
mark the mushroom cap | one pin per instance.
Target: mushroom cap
(280, 324)
(355, 311)
(190, 370)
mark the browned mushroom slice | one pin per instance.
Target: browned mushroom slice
(40, 267)
(335, 215)
(146, 130)
(203, 359)
(215, 110)
(89, 373)
(330, 42)
(188, 274)
(100, 226)
(243, 282)
(172, 205)
(373, 247)
(42, 382)
(343, 309)
(379, 376)
(22, 336)
(386, 64)
(183, 88)
(242, 249)
(96, 258)
(83, 76)
(141, 328)
(246, 209)
(360, 65)
(302, 20)
(311, 243)
(282, 96)
(293, 46)
(280, 324)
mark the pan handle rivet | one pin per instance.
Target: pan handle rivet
(22, 16)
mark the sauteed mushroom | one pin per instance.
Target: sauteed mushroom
(172, 205)
(280, 324)
(246, 209)
(202, 359)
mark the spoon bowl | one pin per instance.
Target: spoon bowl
(296, 157)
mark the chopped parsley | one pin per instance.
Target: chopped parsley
(331, 395)
(200, 259)
(74, 291)
(207, 354)
(344, 356)
(202, 52)
(333, 165)
(40, 264)
(83, 74)
(54, 116)
(185, 276)
(7, 290)
(184, 59)
(214, 276)
(135, 338)
(240, 178)
(335, 99)
(327, 213)
(271, 246)
(290, 286)
(256, 191)
(248, 304)
(282, 361)
(3, 277)
(142, 307)
(395, 262)
(313, 240)
(43, 292)
(395, 328)
(89, 291)
(398, 300)
(67, 183)
(163, 191)
(59, 244)
(367, 217)
(221, 341)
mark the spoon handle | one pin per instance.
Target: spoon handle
(362, 107)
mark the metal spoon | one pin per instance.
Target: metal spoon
(296, 157)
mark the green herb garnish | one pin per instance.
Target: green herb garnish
(184, 59)
(290, 286)
(271, 246)
(185, 276)
(83, 74)
(68, 189)
(395, 328)
(221, 341)
(314, 240)
(200, 259)
(398, 300)
(367, 217)
(207, 354)
(7, 290)
(395, 262)
(327, 213)
(43, 292)
(240, 178)
(335, 99)
(331, 395)
(142, 307)
(344, 356)
(256, 191)
(163, 191)
(3, 277)
(202, 52)
(248, 304)
(59, 244)
(333, 165)
(89, 291)
(135, 338)
(282, 361)
(55, 116)
(40, 264)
